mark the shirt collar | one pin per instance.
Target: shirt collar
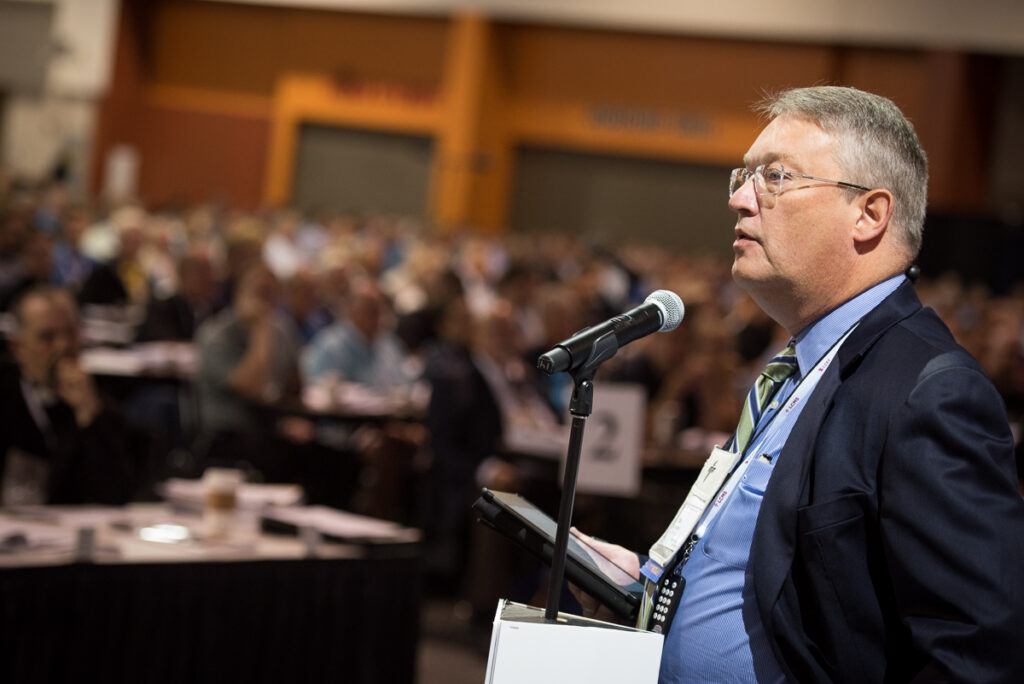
(815, 340)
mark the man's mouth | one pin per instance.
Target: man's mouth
(742, 237)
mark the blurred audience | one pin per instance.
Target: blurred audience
(371, 299)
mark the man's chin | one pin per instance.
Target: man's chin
(749, 277)
(741, 272)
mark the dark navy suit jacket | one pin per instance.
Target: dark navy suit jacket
(890, 542)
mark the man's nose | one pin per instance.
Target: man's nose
(744, 200)
(63, 345)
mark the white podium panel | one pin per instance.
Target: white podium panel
(527, 650)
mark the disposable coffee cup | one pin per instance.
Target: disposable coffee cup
(220, 512)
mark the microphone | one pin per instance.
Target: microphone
(661, 311)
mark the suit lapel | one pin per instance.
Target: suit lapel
(771, 553)
(774, 544)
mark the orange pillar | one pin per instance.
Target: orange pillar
(453, 180)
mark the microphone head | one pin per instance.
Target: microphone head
(671, 307)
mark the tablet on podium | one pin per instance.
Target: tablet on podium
(527, 525)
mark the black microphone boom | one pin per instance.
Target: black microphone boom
(661, 311)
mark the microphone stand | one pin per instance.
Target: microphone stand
(580, 407)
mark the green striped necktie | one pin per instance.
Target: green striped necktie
(768, 383)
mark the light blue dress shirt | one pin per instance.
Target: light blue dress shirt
(340, 348)
(708, 641)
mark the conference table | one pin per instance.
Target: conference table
(154, 384)
(138, 594)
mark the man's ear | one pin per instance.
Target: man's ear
(875, 210)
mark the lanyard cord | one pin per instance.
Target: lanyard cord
(665, 552)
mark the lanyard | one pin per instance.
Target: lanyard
(720, 465)
(717, 469)
(772, 437)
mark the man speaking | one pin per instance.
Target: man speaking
(863, 524)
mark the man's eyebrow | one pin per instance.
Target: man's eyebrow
(767, 158)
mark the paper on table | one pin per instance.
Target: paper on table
(27, 535)
(111, 361)
(341, 524)
(250, 496)
(74, 517)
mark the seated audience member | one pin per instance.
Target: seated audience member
(499, 353)
(178, 316)
(281, 251)
(71, 266)
(560, 318)
(242, 246)
(519, 286)
(164, 242)
(687, 375)
(59, 443)
(599, 289)
(156, 407)
(247, 362)
(417, 325)
(303, 304)
(34, 267)
(481, 392)
(50, 199)
(15, 227)
(358, 347)
(336, 275)
(99, 239)
(465, 427)
(247, 353)
(122, 280)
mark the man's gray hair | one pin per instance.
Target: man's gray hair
(877, 147)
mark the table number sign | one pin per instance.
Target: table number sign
(610, 460)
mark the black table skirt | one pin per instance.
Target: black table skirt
(266, 621)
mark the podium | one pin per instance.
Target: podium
(529, 646)
(528, 649)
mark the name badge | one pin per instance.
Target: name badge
(711, 478)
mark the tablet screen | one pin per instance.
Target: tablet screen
(578, 548)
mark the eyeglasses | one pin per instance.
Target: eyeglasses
(770, 179)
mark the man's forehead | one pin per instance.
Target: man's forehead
(789, 140)
(34, 311)
(39, 314)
